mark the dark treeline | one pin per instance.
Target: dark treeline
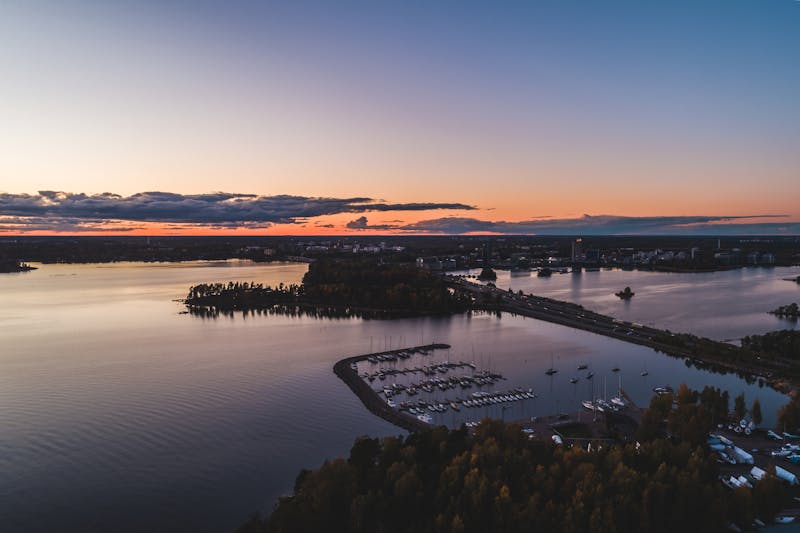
(14, 265)
(369, 284)
(90, 249)
(689, 416)
(787, 311)
(750, 358)
(338, 288)
(499, 480)
(784, 343)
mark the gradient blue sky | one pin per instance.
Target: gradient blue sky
(521, 109)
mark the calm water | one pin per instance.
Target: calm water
(720, 305)
(117, 411)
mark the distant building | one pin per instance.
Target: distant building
(577, 253)
(431, 263)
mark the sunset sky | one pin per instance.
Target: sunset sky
(394, 117)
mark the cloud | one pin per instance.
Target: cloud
(215, 210)
(609, 225)
(361, 223)
(71, 225)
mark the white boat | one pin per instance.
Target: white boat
(771, 434)
(592, 406)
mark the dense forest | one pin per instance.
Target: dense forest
(766, 355)
(363, 287)
(784, 343)
(499, 480)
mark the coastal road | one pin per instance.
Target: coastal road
(575, 316)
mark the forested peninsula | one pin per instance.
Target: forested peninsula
(366, 288)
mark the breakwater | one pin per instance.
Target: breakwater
(346, 371)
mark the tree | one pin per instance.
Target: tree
(789, 416)
(739, 407)
(755, 411)
(487, 274)
(496, 479)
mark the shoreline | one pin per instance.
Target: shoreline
(575, 316)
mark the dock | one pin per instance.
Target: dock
(344, 368)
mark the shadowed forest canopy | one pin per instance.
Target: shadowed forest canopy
(358, 284)
(784, 343)
(499, 480)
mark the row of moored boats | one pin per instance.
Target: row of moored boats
(476, 399)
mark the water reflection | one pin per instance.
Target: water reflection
(166, 421)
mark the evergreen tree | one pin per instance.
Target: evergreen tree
(755, 411)
(739, 407)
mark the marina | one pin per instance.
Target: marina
(393, 402)
(399, 402)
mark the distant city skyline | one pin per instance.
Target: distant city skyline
(365, 118)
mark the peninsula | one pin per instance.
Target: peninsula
(364, 287)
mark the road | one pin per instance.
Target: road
(575, 316)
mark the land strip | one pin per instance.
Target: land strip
(701, 351)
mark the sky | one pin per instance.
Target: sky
(299, 117)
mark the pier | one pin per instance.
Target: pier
(347, 372)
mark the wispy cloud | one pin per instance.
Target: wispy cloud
(62, 211)
(609, 225)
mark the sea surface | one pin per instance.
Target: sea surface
(118, 411)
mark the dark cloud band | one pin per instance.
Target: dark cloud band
(216, 210)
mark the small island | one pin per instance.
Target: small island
(625, 294)
(786, 311)
(796, 280)
(487, 274)
(13, 265)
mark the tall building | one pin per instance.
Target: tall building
(576, 250)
